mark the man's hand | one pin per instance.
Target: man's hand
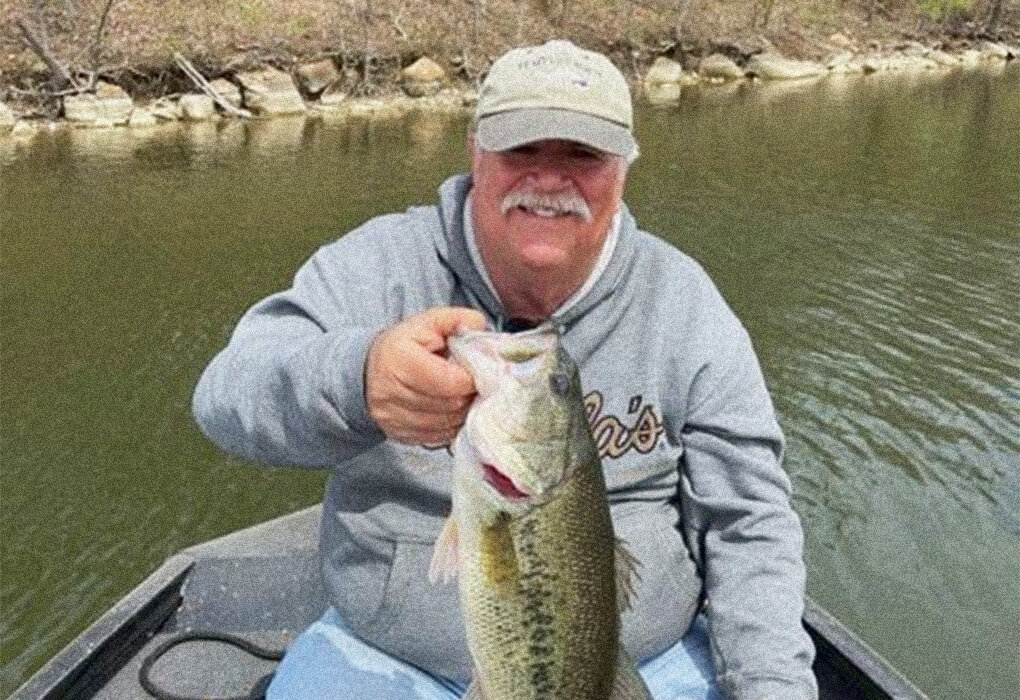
(415, 395)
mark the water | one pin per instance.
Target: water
(866, 230)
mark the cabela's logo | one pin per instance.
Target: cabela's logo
(613, 437)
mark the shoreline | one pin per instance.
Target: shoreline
(312, 89)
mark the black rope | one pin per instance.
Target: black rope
(258, 692)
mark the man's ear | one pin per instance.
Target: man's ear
(471, 147)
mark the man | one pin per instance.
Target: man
(346, 370)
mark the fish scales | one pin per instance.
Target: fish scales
(530, 536)
(561, 620)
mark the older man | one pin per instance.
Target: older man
(346, 371)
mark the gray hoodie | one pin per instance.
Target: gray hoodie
(689, 443)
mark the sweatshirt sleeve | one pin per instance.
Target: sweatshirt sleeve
(289, 387)
(739, 519)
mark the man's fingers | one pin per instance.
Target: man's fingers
(424, 429)
(432, 327)
(427, 373)
(412, 399)
(413, 394)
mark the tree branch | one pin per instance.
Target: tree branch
(205, 87)
(38, 44)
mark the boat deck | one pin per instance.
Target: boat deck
(263, 585)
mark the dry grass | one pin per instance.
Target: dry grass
(372, 38)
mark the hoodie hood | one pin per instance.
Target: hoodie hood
(455, 254)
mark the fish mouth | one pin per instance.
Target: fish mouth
(503, 484)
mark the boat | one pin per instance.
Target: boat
(176, 635)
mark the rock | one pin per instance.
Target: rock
(849, 68)
(166, 109)
(843, 63)
(969, 58)
(898, 62)
(838, 59)
(416, 89)
(227, 90)
(910, 62)
(662, 93)
(840, 40)
(776, 67)
(913, 49)
(664, 71)
(942, 59)
(872, 64)
(663, 81)
(197, 108)
(315, 78)
(991, 50)
(748, 46)
(332, 96)
(424, 70)
(423, 78)
(7, 118)
(142, 117)
(109, 106)
(719, 66)
(269, 91)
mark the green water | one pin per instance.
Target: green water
(866, 230)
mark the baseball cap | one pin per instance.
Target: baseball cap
(555, 91)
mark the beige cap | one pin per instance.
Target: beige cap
(555, 91)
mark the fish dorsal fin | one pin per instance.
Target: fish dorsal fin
(627, 577)
(627, 682)
(446, 554)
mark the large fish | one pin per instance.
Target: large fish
(543, 580)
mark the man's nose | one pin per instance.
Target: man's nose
(548, 173)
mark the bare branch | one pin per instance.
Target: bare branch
(208, 89)
(395, 18)
(38, 44)
(98, 39)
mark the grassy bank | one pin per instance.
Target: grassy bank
(131, 42)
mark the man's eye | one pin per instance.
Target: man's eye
(525, 150)
(588, 155)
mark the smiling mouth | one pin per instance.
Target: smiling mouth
(502, 483)
(543, 212)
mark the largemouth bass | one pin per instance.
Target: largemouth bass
(542, 579)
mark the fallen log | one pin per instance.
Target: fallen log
(199, 80)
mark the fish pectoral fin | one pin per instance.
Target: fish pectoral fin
(627, 682)
(627, 577)
(445, 555)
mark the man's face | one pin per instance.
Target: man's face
(522, 197)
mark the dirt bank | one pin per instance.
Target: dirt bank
(131, 43)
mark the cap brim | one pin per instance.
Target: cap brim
(505, 130)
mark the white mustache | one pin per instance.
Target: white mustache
(558, 202)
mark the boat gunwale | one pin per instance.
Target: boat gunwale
(82, 668)
(89, 661)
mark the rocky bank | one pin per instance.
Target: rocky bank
(318, 87)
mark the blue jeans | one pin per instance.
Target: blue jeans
(327, 662)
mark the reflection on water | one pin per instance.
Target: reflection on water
(865, 229)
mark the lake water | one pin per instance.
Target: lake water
(866, 230)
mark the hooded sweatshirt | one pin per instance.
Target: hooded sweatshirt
(675, 398)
